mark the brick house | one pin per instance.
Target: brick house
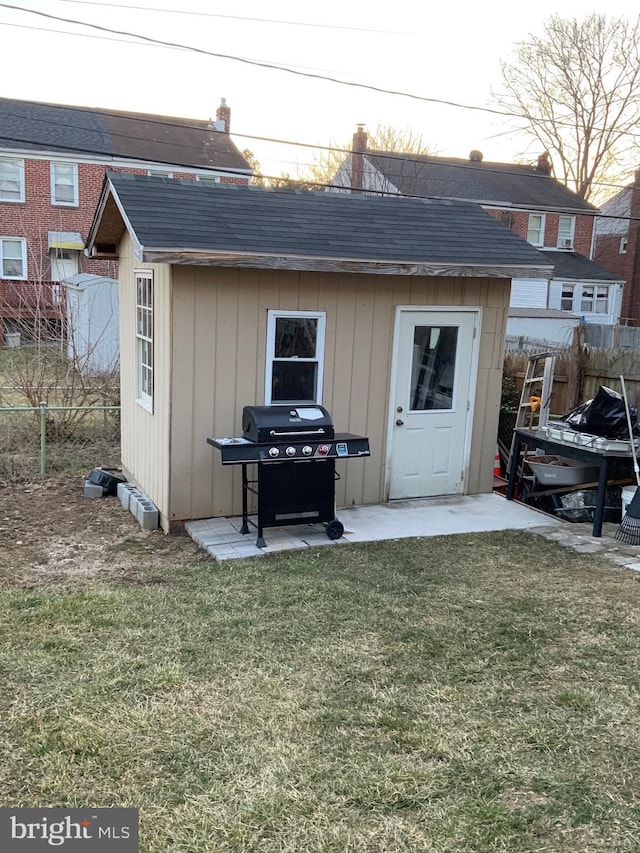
(530, 202)
(53, 159)
(617, 245)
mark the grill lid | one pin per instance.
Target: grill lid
(268, 423)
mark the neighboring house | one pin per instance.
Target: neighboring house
(399, 308)
(53, 160)
(528, 200)
(618, 245)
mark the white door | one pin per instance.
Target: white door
(431, 408)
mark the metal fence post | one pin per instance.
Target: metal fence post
(43, 439)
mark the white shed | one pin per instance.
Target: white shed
(93, 339)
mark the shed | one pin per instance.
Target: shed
(92, 322)
(391, 312)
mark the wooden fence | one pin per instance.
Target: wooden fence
(580, 370)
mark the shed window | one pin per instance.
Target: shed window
(295, 357)
(144, 338)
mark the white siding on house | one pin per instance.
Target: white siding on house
(529, 293)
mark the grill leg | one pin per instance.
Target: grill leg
(245, 524)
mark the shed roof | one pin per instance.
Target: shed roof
(34, 126)
(184, 222)
(500, 184)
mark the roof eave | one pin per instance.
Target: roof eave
(306, 263)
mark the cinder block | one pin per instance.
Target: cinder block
(92, 491)
(125, 492)
(147, 515)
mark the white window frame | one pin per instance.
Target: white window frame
(56, 182)
(144, 328)
(566, 231)
(7, 166)
(593, 294)
(208, 179)
(623, 245)
(565, 298)
(272, 317)
(539, 240)
(23, 258)
(158, 173)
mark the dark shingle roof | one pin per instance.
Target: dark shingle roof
(498, 183)
(575, 267)
(174, 215)
(31, 126)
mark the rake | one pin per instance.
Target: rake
(629, 530)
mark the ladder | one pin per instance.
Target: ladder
(535, 400)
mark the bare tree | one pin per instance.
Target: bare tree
(577, 89)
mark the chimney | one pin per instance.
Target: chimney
(357, 159)
(223, 117)
(544, 163)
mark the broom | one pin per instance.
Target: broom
(629, 530)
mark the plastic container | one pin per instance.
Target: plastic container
(557, 471)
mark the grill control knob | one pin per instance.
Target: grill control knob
(307, 450)
(273, 452)
(290, 451)
(323, 450)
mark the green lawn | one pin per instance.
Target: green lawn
(468, 693)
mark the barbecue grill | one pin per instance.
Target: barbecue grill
(294, 449)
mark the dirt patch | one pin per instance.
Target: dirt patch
(50, 534)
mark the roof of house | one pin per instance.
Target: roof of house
(31, 126)
(542, 314)
(186, 222)
(500, 184)
(575, 267)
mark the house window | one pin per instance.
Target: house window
(623, 245)
(13, 257)
(566, 232)
(535, 232)
(595, 300)
(156, 173)
(64, 184)
(11, 179)
(144, 339)
(207, 179)
(566, 300)
(295, 357)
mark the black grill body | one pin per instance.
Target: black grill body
(295, 450)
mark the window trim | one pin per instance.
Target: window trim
(23, 245)
(143, 397)
(21, 180)
(272, 316)
(543, 222)
(570, 241)
(53, 166)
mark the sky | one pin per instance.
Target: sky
(445, 51)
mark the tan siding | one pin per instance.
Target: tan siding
(220, 320)
(145, 436)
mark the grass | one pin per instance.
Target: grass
(467, 693)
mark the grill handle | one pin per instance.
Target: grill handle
(319, 431)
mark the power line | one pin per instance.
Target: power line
(234, 17)
(261, 64)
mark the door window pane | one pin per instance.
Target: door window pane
(433, 368)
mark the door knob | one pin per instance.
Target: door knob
(399, 422)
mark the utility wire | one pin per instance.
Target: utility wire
(234, 17)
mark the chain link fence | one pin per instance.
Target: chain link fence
(47, 440)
